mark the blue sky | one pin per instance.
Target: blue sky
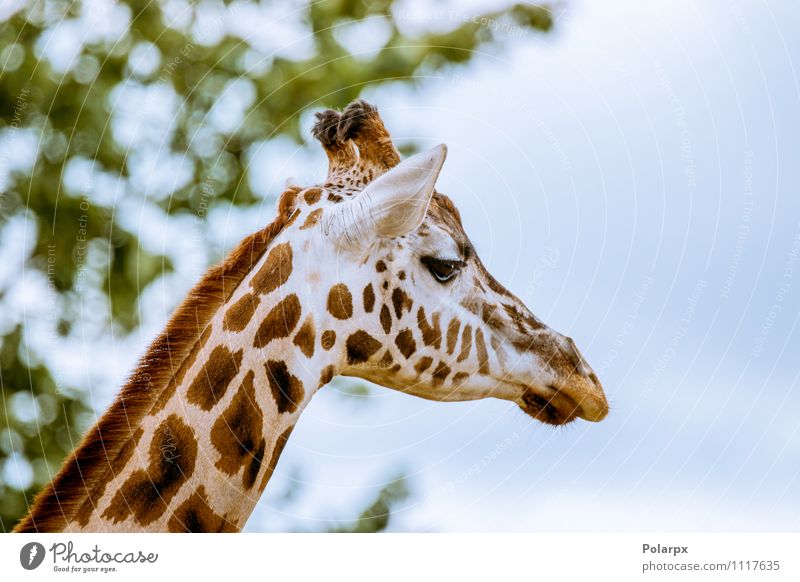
(632, 176)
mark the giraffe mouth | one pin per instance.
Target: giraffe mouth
(556, 408)
(580, 398)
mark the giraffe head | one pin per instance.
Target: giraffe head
(408, 303)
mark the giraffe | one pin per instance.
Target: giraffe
(368, 274)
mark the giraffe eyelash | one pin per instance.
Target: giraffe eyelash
(443, 270)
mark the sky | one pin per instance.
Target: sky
(631, 176)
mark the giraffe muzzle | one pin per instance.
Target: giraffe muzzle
(582, 398)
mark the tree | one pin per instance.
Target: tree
(66, 72)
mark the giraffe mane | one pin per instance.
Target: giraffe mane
(88, 465)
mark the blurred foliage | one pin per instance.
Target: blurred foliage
(376, 516)
(70, 111)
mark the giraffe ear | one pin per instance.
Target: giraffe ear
(392, 205)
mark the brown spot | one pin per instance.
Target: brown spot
(114, 469)
(340, 302)
(483, 355)
(312, 195)
(287, 390)
(146, 493)
(522, 319)
(306, 337)
(386, 319)
(452, 334)
(494, 284)
(237, 434)
(328, 339)
(369, 298)
(280, 443)
(312, 219)
(328, 372)
(380, 266)
(386, 360)
(213, 379)
(195, 515)
(440, 373)
(275, 271)
(495, 343)
(402, 275)
(405, 343)
(169, 390)
(490, 317)
(335, 197)
(459, 378)
(192, 356)
(423, 364)
(279, 322)
(400, 300)
(361, 347)
(431, 333)
(240, 313)
(466, 343)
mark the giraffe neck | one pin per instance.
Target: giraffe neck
(202, 456)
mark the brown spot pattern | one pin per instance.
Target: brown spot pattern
(172, 385)
(380, 266)
(452, 334)
(483, 355)
(386, 319)
(192, 355)
(423, 364)
(147, 492)
(522, 319)
(328, 339)
(287, 390)
(279, 322)
(400, 300)
(431, 332)
(340, 302)
(361, 347)
(386, 360)
(240, 313)
(327, 375)
(440, 373)
(405, 343)
(369, 298)
(237, 434)
(312, 195)
(213, 379)
(466, 343)
(275, 271)
(195, 515)
(312, 219)
(306, 336)
(114, 469)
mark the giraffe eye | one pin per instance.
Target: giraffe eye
(442, 270)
